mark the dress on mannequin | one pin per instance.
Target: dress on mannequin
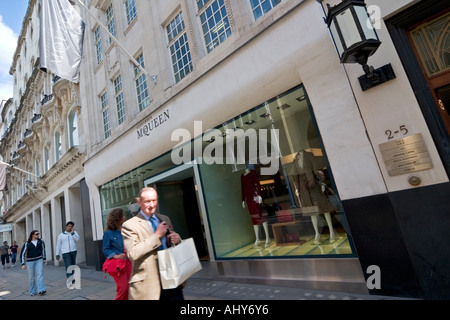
(251, 195)
(308, 190)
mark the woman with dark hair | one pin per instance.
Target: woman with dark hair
(113, 248)
(32, 257)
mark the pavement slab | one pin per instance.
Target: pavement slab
(94, 286)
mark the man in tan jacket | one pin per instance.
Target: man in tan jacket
(143, 236)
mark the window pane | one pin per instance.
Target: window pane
(141, 84)
(261, 7)
(432, 42)
(98, 45)
(110, 21)
(290, 211)
(179, 48)
(215, 26)
(120, 104)
(73, 129)
(58, 150)
(130, 7)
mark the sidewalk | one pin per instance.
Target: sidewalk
(14, 286)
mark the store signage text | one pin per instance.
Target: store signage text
(146, 127)
(5, 227)
(406, 155)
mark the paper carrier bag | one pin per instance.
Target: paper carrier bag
(178, 263)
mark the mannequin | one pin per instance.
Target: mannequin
(311, 190)
(251, 195)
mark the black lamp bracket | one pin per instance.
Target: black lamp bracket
(374, 77)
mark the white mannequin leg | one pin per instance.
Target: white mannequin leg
(266, 230)
(314, 220)
(256, 228)
(330, 225)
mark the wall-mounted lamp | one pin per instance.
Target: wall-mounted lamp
(356, 40)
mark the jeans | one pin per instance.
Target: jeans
(36, 270)
(69, 260)
(5, 257)
(13, 257)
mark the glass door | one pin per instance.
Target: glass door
(177, 198)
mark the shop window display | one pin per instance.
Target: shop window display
(293, 212)
(272, 197)
(122, 191)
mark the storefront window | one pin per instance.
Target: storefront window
(292, 212)
(261, 187)
(122, 191)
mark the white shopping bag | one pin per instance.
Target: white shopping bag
(177, 264)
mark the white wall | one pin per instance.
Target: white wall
(297, 49)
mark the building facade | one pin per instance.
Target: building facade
(43, 142)
(263, 147)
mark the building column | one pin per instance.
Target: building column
(47, 230)
(74, 212)
(55, 206)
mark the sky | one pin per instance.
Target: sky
(12, 13)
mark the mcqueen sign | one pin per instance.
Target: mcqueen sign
(146, 127)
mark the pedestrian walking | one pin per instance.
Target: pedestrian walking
(114, 251)
(143, 236)
(13, 249)
(32, 257)
(67, 245)
(4, 251)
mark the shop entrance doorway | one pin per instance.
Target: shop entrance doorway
(178, 198)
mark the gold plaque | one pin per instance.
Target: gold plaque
(406, 155)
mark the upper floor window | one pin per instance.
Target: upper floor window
(120, 103)
(36, 168)
(179, 48)
(110, 22)
(73, 129)
(98, 45)
(46, 160)
(215, 23)
(58, 149)
(261, 7)
(105, 115)
(141, 84)
(19, 194)
(130, 8)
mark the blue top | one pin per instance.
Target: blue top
(112, 243)
(154, 223)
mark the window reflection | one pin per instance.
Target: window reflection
(294, 212)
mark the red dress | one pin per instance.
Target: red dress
(251, 189)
